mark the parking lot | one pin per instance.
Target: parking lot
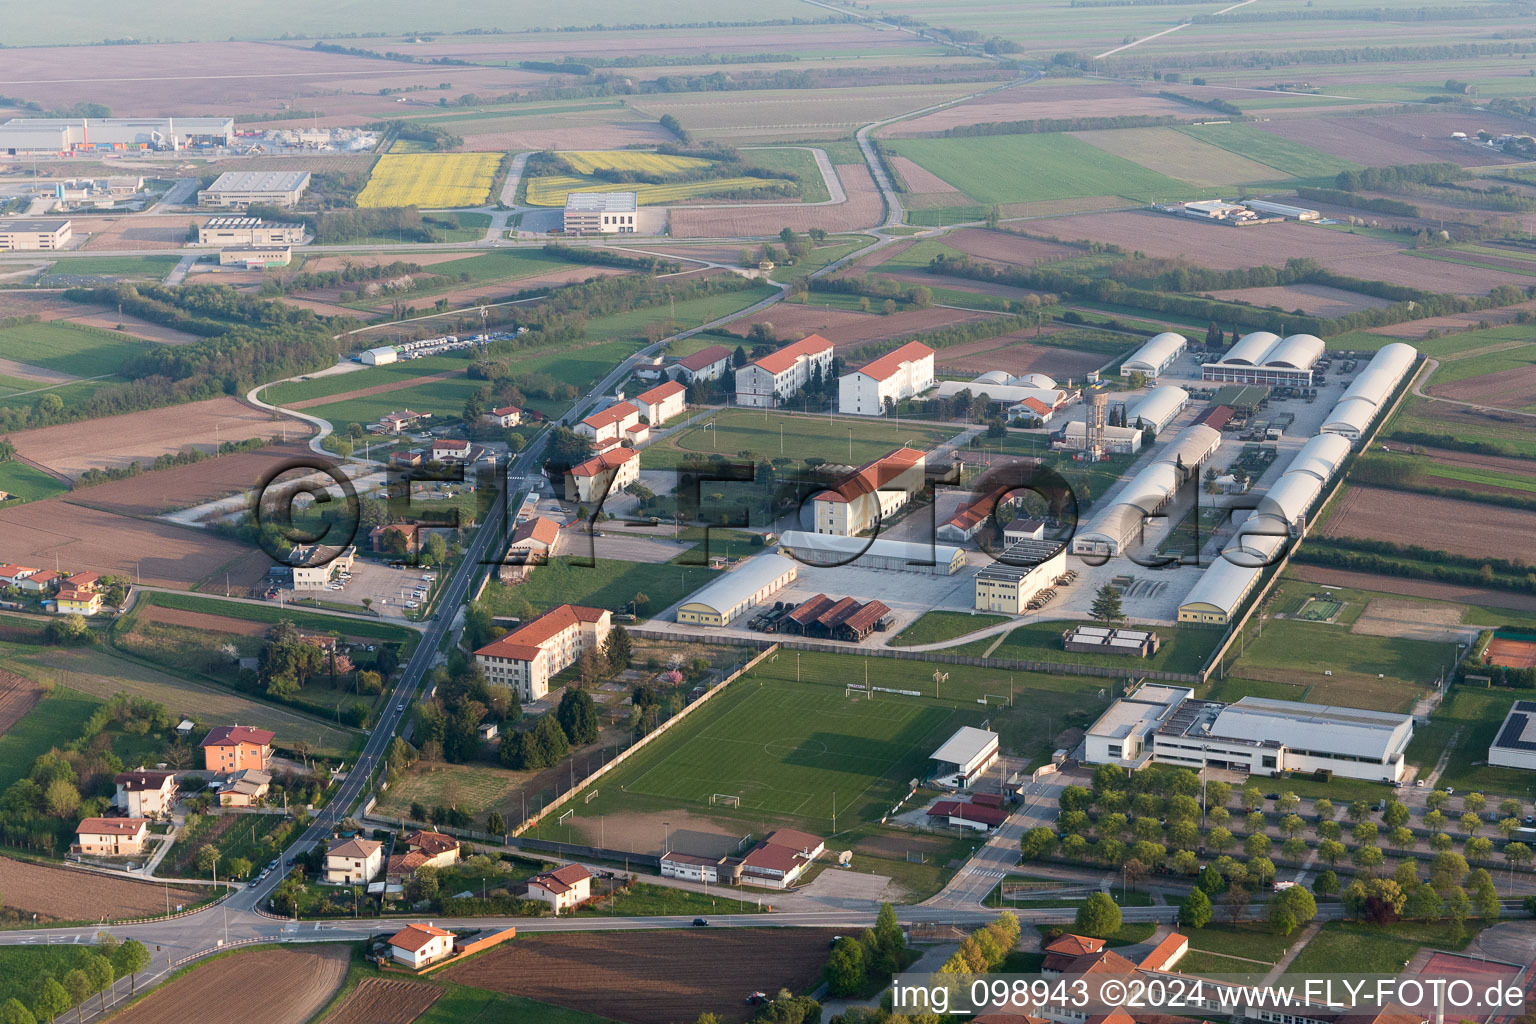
(386, 587)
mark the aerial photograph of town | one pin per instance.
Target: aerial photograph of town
(789, 512)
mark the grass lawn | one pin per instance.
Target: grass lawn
(609, 583)
(357, 380)
(1198, 961)
(66, 348)
(933, 627)
(645, 899)
(1292, 650)
(359, 628)
(1250, 941)
(1418, 414)
(799, 162)
(1030, 168)
(442, 398)
(56, 720)
(1184, 648)
(475, 787)
(767, 434)
(460, 1004)
(1283, 155)
(118, 266)
(1367, 949)
(1467, 721)
(27, 483)
(505, 265)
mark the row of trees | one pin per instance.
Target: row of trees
(861, 962)
(95, 971)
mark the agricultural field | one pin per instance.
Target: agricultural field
(769, 433)
(53, 721)
(1182, 156)
(1293, 159)
(293, 982)
(654, 982)
(431, 180)
(18, 695)
(1030, 168)
(621, 160)
(67, 349)
(1481, 530)
(551, 189)
(63, 894)
(385, 1001)
(28, 483)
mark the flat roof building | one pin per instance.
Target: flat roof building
(242, 188)
(599, 213)
(749, 584)
(54, 135)
(1122, 734)
(966, 756)
(27, 234)
(1009, 588)
(249, 231)
(256, 257)
(1514, 746)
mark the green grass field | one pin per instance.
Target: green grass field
(442, 398)
(785, 749)
(1183, 649)
(1370, 949)
(26, 483)
(799, 162)
(1302, 652)
(54, 721)
(935, 627)
(65, 348)
(1029, 168)
(357, 380)
(1466, 722)
(118, 266)
(609, 584)
(768, 434)
(1179, 155)
(1283, 155)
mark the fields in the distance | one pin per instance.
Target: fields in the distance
(68, 349)
(1474, 529)
(839, 441)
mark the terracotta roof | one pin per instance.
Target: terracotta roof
(976, 510)
(704, 357)
(606, 461)
(887, 365)
(777, 362)
(505, 410)
(1074, 945)
(560, 880)
(71, 594)
(987, 799)
(362, 849)
(1171, 947)
(661, 392)
(430, 843)
(523, 643)
(810, 609)
(767, 856)
(539, 528)
(84, 579)
(449, 444)
(1036, 406)
(413, 936)
(111, 826)
(229, 735)
(611, 415)
(11, 569)
(866, 617)
(46, 576)
(991, 816)
(872, 476)
(1007, 1017)
(1217, 416)
(141, 780)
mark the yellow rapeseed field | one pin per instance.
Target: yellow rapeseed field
(629, 160)
(431, 180)
(552, 189)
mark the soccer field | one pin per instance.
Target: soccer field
(785, 748)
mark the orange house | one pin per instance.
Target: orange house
(234, 748)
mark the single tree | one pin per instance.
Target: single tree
(844, 969)
(130, 958)
(15, 1012)
(1106, 605)
(1195, 911)
(50, 1000)
(78, 985)
(1098, 916)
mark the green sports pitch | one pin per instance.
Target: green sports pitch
(785, 748)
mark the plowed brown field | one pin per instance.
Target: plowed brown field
(673, 975)
(17, 696)
(165, 490)
(1513, 389)
(269, 986)
(1019, 354)
(70, 894)
(385, 1001)
(1460, 527)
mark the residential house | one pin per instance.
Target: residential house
(398, 422)
(84, 581)
(450, 450)
(534, 542)
(435, 848)
(903, 373)
(411, 534)
(355, 861)
(662, 402)
(1031, 409)
(69, 601)
(602, 474)
(233, 748)
(529, 656)
(40, 582)
(706, 364)
(612, 426)
(780, 858)
(563, 889)
(777, 377)
(506, 416)
(247, 788)
(417, 945)
(12, 574)
(145, 794)
(111, 837)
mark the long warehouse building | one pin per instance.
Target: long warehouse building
(22, 136)
(1157, 407)
(1265, 358)
(1368, 394)
(1156, 355)
(242, 188)
(749, 584)
(1108, 533)
(820, 550)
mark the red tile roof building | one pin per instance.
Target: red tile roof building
(661, 402)
(608, 427)
(774, 379)
(564, 888)
(420, 944)
(870, 493)
(706, 364)
(899, 374)
(610, 471)
(111, 837)
(529, 656)
(780, 858)
(233, 748)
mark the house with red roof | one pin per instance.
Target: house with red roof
(111, 837)
(780, 858)
(870, 493)
(705, 364)
(417, 945)
(609, 427)
(234, 748)
(768, 382)
(12, 574)
(529, 656)
(661, 402)
(504, 416)
(604, 473)
(40, 582)
(563, 888)
(900, 373)
(967, 814)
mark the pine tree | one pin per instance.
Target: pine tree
(1106, 605)
(577, 715)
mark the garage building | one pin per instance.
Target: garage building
(242, 188)
(749, 584)
(1156, 355)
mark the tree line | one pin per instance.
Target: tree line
(1057, 124)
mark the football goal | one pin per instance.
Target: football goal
(589, 797)
(566, 816)
(728, 799)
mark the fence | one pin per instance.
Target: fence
(640, 744)
(1131, 666)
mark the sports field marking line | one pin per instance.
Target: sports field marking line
(1138, 42)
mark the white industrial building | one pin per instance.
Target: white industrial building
(1225, 585)
(1321, 457)
(1156, 355)
(1123, 520)
(381, 356)
(1267, 359)
(1255, 735)
(749, 584)
(242, 188)
(966, 756)
(1008, 394)
(1370, 391)
(778, 376)
(1157, 408)
(901, 373)
(1007, 588)
(28, 234)
(1116, 440)
(1282, 210)
(1515, 744)
(820, 550)
(22, 136)
(599, 213)
(234, 231)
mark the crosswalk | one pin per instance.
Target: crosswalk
(988, 873)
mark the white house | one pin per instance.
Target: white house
(590, 480)
(562, 888)
(778, 376)
(705, 364)
(691, 868)
(145, 794)
(506, 416)
(417, 945)
(661, 402)
(899, 374)
(355, 861)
